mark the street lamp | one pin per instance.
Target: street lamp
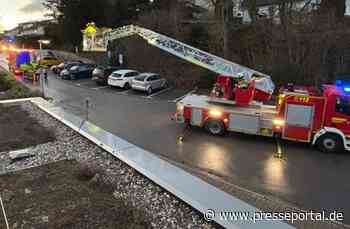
(41, 43)
(45, 42)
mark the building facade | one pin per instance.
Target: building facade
(30, 29)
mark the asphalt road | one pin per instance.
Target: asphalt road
(304, 177)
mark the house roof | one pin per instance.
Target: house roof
(260, 3)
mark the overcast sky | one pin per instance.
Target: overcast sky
(13, 12)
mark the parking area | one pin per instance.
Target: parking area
(170, 94)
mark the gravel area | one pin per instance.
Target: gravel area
(163, 209)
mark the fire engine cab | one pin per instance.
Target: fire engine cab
(299, 115)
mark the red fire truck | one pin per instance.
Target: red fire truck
(299, 115)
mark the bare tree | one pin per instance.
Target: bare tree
(334, 6)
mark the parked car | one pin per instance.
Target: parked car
(148, 82)
(101, 73)
(79, 72)
(64, 65)
(49, 61)
(64, 73)
(122, 78)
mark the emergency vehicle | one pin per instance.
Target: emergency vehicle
(321, 120)
(20, 61)
(237, 100)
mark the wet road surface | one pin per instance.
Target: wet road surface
(304, 176)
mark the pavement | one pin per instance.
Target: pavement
(303, 177)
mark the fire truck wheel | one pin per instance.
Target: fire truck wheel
(215, 127)
(330, 143)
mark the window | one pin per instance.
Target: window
(141, 78)
(342, 105)
(130, 74)
(156, 77)
(74, 68)
(151, 78)
(299, 115)
(116, 75)
(135, 74)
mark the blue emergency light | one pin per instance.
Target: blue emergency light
(23, 58)
(10, 39)
(343, 85)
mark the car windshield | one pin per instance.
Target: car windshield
(100, 68)
(111, 69)
(141, 78)
(74, 68)
(116, 75)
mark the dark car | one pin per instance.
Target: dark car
(101, 73)
(66, 70)
(65, 65)
(80, 72)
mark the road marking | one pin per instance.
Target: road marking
(159, 92)
(98, 88)
(124, 92)
(179, 98)
(83, 83)
(147, 97)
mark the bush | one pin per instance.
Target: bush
(6, 82)
(14, 89)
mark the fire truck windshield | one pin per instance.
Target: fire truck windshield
(343, 105)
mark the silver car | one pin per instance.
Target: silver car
(148, 82)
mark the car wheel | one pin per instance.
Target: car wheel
(127, 86)
(330, 143)
(149, 91)
(215, 127)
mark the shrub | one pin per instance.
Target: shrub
(6, 82)
(14, 89)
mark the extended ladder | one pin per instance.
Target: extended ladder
(196, 56)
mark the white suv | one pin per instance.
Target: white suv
(122, 78)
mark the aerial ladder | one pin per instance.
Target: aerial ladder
(259, 85)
